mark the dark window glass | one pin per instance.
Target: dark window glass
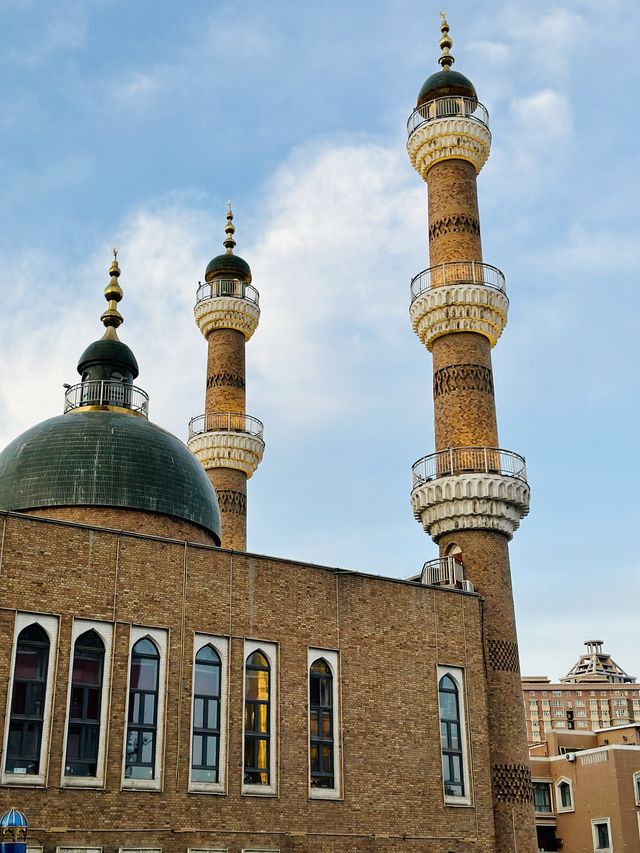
(541, 797)
(205, 753)
(256, 720)
(321, 725)
(450, 737)
(83, 733)
(602, 836)
(27, 702)
(565, 795)
(143, 711)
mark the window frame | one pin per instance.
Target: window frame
(221, 646)
(270, 651)
(332, 659)
(563, 780)
(50, 625)
(594, 835)
(160, 638)
(636, 787)
(550, 786)
(105, 631)
(457, 675)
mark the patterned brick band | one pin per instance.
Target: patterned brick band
(503, 655)
(233, 502)
(462, 377)
(217, 380)
(454, 225)
(512, 783)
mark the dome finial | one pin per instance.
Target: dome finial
(229, 230)
(111, 317)
(446, 43)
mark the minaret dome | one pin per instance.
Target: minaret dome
(445, 83)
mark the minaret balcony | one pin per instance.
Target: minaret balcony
(454, 127)
(227, 440)
(470, 488)
(227, 303)
(445, 571)
(459, 296)
(106, 394)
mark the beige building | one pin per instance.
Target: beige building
(586, 788)
(595, 694)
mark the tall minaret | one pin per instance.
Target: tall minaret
(225, 439)
(470, 495)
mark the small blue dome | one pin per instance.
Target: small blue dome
(13, 818)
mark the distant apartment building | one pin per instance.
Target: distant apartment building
(586, 790)
(595, 694)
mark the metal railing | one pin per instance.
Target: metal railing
(227, 287)
(106, 393)
(443, 571)
(448, 107)
(225, 422)
(462, 460)
(458, 272)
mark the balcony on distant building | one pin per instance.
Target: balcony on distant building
(106, 394)
(227, 287)
(466, 460)
(455, 273)
(453, 106)
(445, 571)
(226, 422)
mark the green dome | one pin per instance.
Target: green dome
(109, 351)
(106, 459)
(234, 265)
(445, 83)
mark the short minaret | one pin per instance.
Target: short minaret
(225, 439)
(470, 495)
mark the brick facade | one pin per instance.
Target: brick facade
(390, 636)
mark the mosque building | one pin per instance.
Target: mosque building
(164, 689)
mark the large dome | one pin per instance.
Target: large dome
(106, 459)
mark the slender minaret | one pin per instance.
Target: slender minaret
(470, 495)
(225, 439)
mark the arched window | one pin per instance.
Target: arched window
(321, 724)
(451, 737)
(143, 711)
(205, 752)
(256, 719)
(27, 701)
(564, 795)
(83, 734)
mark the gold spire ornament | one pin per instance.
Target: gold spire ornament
(446, 43)
(229, 230)
(111, 317)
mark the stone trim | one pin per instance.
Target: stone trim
(512, 783)
(225, 380)
(232, 502)
(503, 656)
(462, 377)
(459, 308)
(474, 501)
(454, 225)
(454, 138)
(237, 450)
(227, 312)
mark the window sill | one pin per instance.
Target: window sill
(458, 802)
(324, 794)
(17, 780)
(259, 791)
(566, 811)
(141, 785)
(81, 782)
(217, 788)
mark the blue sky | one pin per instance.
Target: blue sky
(131, 124)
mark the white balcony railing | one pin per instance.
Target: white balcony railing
(106, 393)
(226, 422)
(443, 571)
(463, 460)
(448, 107)
(233, 287)
(458, 272)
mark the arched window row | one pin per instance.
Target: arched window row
(31, 689)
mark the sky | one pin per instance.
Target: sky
(131, 125)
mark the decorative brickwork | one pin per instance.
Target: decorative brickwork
(503, 655)
(234, 502)
(227, 312)
(219, 380)
(462, 377)
(454, 225)
(457, 138)
(512, 783)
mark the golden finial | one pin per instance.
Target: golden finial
(111, 317)
(229, 230)
(446, 43)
